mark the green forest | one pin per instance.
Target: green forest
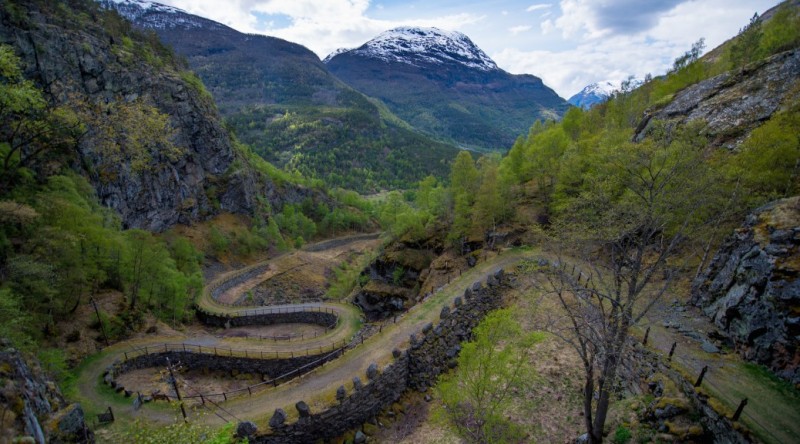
(645, 197)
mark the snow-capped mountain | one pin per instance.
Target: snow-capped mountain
(152, 15)
(334, 54)
(443, 84)
(599, 92)
(421, 46)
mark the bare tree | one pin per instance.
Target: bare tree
(622, 232)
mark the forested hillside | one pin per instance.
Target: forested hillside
(281, 100)
(107, 140)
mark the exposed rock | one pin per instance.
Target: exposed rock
(372, 371)
(751, 288)
(360, 437)
(709, 347)
(35, 406)
(445, 313)
(357, 384)
(79, 60)
(246, 429)
(278, 419)
(302, 409)
(734, 103)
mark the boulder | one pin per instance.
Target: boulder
(303, 409)
(372, 371)
(246, 429)
(278, 419)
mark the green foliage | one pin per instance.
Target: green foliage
(132, 132)
(31, 131)
(195, 83)
(397, 275)
(622, 435)
(746, 47)
(181, 433)
(348, 275)
(294, 223)
(767, 163)
(490, 368)
(345, 147)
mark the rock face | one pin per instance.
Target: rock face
(734, 103)
(751, 289)
(34, 407)
(77, 59)
(256, 80)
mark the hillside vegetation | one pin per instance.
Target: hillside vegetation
(93, 183)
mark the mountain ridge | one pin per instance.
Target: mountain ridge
(444, 85)
(281, 100)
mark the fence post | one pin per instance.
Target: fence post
(700, 378)
(646, 335)
(739, 410)
(126, 356)
(672, 350)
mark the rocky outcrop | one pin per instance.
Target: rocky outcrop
(751, 289)
(33, 408)
(391, 284)
(734, 103)
(80, 54)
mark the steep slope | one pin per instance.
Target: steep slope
(283, 101)
(751, 290)
(443, 84)
(118, 83)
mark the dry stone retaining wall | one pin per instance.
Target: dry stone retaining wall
(432, 352)
(311, 316)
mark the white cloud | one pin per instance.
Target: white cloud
(581, 41)
(518, 29)
(322, 26)
(538, 6)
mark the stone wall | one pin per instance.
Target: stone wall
(431, 352)
(323, 318)
(718, 428)
(269, 369)
(243, 277)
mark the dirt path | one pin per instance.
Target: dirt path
(317, 388)
(773, 409)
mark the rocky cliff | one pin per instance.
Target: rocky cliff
(751, 289)
(733, 103)
(33, 409)
(89, 58)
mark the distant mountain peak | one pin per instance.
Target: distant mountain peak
(334, 54)
(598, 92)
(155, 15)
(419, 46)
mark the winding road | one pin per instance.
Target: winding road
(317, 388)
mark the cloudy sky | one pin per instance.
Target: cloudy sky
(568, 43)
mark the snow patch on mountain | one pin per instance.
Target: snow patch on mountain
(158, 16)
(599, 92)
(334, 54)
(415, 46)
